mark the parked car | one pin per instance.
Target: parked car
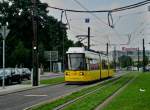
(15, 75)
(24, 72)
(7, 77)
(147, 68)
(10, 76)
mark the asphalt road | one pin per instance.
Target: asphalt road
(21, 100)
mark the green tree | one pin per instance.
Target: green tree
(146, 60)
(51, 32)
(125, 61)
(19, 56)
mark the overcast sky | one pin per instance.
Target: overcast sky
(135, 22)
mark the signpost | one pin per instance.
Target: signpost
(4, 31)
(51, 56)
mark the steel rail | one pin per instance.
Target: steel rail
(61, 107)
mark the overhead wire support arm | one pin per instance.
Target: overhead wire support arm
(67, 20)
(110, 20)
(62, 12)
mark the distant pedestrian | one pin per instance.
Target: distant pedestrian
(41, 69)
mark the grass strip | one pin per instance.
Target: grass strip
(135, 97)
(93, 100)
(52, 81)
(51, 105)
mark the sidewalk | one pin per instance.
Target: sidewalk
(26, 86)
(14, 88)
(17, 88)
(52, 74)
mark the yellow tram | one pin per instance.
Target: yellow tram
(86, 65)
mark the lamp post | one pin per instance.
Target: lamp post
(4, 31)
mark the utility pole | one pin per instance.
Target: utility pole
(143, 55)
(115, 58)
(63, 57)
(62, 33)
(138, 60)
(107, 57)
(89, 37)
(35, 45)
(107, 49)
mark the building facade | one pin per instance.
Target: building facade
(131, 52)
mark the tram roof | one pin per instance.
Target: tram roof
(82, 50)
(76, 50)
(88, 53)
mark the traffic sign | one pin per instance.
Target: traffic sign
(87, 20)
(4, 31)
(51, 55)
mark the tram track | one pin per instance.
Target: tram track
(108, 83)
(60, 105)
(116, 93)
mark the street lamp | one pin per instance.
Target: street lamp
(4, 31)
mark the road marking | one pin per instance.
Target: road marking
(35, 95)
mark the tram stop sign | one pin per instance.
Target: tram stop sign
(4, 31)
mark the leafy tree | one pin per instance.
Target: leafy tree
(146, 60)
(19, 56)
(51, 32)
(125, 61)
(41, 53)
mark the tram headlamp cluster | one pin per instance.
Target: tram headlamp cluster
(67, 74)
(82, 73)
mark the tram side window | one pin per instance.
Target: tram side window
(111, 65)
(88, 64)
(104, 64)
(94, 65)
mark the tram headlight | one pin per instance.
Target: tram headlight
(67, 74)
(81, 73)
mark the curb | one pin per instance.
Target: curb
(20, 90)
(26, 89)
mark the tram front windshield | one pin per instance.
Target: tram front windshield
(76, 61)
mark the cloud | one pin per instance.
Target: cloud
(58, 3)
(126, 22)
